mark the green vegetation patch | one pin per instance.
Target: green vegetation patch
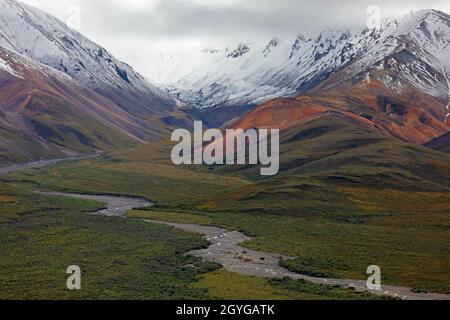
(170, 216)
(232, 286)
(346, 209)
(119, 258)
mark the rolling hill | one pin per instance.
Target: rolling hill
(441, 143)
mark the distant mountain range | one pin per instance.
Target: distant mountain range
(398, 86)
(411, 54)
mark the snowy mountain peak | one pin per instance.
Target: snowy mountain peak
(259, 71)
(299, 41)
(240, 51)
(42, 37)
(272, 44)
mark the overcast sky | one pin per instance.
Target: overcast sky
(126, 27)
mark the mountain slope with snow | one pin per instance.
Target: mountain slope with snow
(256, 72)
(46, 114)
(393, 81)
(64, 95)
(415, 48)
(42, 37)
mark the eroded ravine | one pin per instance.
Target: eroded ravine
(225, 250)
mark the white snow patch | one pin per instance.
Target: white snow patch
(6, 67)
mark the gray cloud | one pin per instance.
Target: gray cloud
(222, 18)
(141, 28)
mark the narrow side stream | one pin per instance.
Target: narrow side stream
(43, 163)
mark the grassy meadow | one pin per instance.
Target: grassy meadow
(41, 236)
(333, 229)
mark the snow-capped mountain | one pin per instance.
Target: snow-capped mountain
(252, 73)
(416, 49)
(44, 113)
(62, 94)
(42, 37)
(397, 85)
(412, 55)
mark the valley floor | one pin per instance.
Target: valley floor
(404, 232)
(224, 249)
(41, 234)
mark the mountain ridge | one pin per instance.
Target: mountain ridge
(63, 95)
(288, 68)
(44, 38)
